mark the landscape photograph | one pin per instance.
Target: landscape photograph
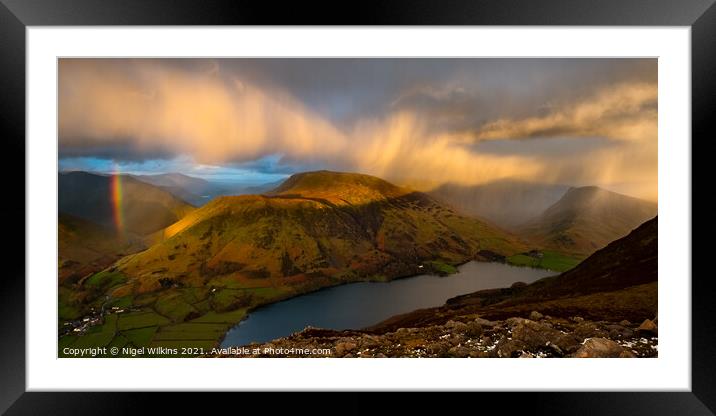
(357, 208)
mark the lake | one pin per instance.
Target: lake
(358, 305)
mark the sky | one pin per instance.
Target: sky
(416, 122)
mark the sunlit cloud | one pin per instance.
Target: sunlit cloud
(621, 112)
(217, 119)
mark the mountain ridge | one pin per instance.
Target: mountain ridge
(144, 208)
(506, 203)
(586, 219)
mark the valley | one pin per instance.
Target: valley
(188, 283)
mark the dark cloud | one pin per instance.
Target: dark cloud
(405, 119)
(116, 149)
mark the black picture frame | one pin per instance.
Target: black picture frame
(16, 15)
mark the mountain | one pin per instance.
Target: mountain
(177, 180)
(197, 191)
(144, 208)
(615, 283)
(316, 229)
(86, 247)
(506, 203)
(586, 219)
(261, 189)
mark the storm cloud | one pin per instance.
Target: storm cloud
(418, 122)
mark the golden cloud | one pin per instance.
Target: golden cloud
(218, 117)
(621, 112)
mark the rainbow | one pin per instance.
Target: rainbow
(115, 190)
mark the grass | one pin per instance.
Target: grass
(174, 308)
(192, 331)
(140, 320)
(122, 302)
(66, 341)
(267, 293)
(550, 260)
(222, 318)
(442, 268)
(119, 341)
(105, 280)
(140, 337)
(227, 299)
(68, 311)
(68, 306)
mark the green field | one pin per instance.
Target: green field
(550, 260)
(442, 268)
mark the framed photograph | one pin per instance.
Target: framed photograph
(421, 199)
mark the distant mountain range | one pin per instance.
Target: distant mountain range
(506, 203)
(197, 191)
(144, 208)
(586, 219)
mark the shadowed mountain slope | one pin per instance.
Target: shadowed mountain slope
(505, 203)
(586, 219)
(143, 208)
(86, 247)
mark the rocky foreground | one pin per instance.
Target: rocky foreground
(540, 336)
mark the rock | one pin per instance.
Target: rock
(626, 354)
(437, 348)
(568, 343)
(555, 348)
(536, 316)
(344, 347)
(369, 341)
(618, 331)
(614, 330)
(586, 329)
(518, 285)
(485, 322)
(473, 330)
(533, 334)
(459, 351)
(515, 321)
(380, 355)
(577, 319)
(647, 327)
(507, 348)
(456, 325)
(625, 323)
(348, 356)
(601, 348)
